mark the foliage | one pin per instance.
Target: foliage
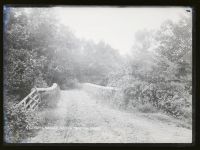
(18, 123)
(159, 72)
(39, 51)
(146, 108)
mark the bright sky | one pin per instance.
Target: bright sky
(116, 25)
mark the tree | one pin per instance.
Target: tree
(159, 70)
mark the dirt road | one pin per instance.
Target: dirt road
(78, 118)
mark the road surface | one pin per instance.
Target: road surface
(79, 118)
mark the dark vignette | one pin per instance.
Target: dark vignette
(120, 3)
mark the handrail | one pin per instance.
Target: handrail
(100, 86)
(47, 89)
(31, 101)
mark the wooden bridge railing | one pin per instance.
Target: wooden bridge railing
(31, 101)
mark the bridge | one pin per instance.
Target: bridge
(32, 100)
(87, 115)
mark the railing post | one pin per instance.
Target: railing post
(24, 103)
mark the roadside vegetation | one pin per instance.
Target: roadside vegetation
(40, 51)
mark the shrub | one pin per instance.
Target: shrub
(40, 82)
(146, 108)
(18, 124)
(170, 97)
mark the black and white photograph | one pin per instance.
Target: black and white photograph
(97, 74)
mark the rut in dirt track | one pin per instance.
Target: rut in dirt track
(79, 118)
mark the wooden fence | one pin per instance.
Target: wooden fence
(31, 101)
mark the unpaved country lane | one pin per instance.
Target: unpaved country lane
(80, 119)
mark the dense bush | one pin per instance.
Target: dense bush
(169, 97)
(146, 108)
(19, 124)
